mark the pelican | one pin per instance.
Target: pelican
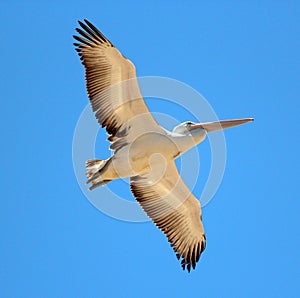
(143, 150)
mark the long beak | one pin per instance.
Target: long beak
(221, 125)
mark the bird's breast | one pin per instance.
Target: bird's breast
(153, 143)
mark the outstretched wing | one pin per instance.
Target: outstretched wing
(112, 86)
(174, 210)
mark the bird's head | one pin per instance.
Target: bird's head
(192, 129)
(183, 128)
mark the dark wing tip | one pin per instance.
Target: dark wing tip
(190, 261)
(80, 23)
(95, 30)
(189, 267)
(92, 36)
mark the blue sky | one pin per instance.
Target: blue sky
(243, 56)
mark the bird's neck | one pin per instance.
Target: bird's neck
(185, 142)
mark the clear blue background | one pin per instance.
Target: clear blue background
(243, 56)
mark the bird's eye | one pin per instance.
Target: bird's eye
(189, 123)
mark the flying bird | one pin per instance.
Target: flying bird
(142, 149)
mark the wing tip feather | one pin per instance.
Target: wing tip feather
(91, 33)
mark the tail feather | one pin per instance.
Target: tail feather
(94, 170)
(93, 165)
(97, 184)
